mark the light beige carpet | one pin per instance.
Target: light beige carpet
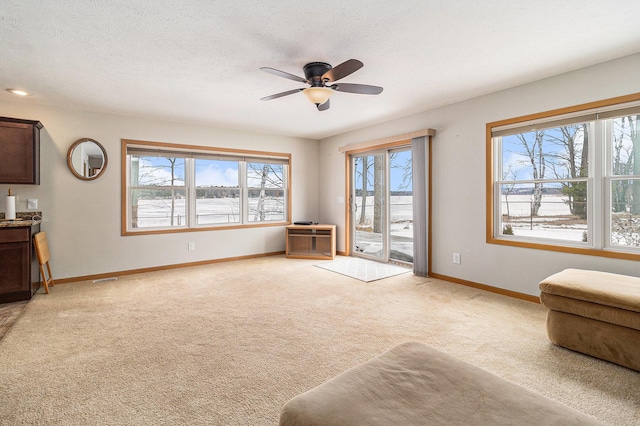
(230, 343)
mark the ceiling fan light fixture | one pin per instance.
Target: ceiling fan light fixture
(318, 95)
(18, 92)
(317, 76)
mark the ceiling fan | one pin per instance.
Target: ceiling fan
(317, 75)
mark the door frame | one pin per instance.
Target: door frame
(389, 142)
(386, 236)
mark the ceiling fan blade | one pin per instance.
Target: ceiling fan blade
(281, 94)
(325, 106)
(342, 70)
(284, 74)
(362, 89)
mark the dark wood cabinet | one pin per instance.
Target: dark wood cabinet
(19, 151)
(19, 273)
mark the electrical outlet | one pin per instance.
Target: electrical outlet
(456, 258)
(32, 203)
(192, 246)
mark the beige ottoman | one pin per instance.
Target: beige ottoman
(414, 384)
(596, 313)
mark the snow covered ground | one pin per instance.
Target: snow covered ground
(401, 229)
(157, 213)
(554, 219)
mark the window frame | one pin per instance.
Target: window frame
(599, 175)
(192, 152)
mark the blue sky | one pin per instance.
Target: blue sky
(220, 173)
(217, 173)
(516, 164)
(157, 170)
(400, 159)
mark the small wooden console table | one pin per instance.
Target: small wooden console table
(311, 241)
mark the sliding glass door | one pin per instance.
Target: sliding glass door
(381, 203)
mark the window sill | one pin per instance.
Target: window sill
(609, 253)
(127, 233)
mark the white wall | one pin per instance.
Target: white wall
(82, 218)
(459, 195)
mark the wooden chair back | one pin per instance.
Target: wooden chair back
(42, 251)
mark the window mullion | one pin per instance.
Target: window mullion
(244, 193)
(127, 203)
(578, 179)
(191, 193)
(497, 193)
(285, 178)
(602, 189)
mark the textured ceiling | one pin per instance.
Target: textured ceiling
(198, 61)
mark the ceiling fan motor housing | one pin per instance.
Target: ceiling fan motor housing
(314, 71)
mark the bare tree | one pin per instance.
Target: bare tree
(407, 170)
(263, 181)
(508, 174)
(623, 160)
(634, 133)
(626, 161)
(172, 167)
(378, 195)
(371, 171)
(270, 178)
(536, 157)
(153, 175)
(571, 162)
(364, 174)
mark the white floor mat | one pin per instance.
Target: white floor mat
(363, 269)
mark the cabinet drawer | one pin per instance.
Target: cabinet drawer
(14, 235)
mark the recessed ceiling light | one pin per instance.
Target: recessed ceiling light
(18, 92)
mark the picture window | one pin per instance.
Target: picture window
(170, 188)
(567, 182)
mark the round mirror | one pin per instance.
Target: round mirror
(87, 159)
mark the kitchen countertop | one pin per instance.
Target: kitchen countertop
(18, 223)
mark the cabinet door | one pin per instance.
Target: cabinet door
(14, 267)
(20, 151)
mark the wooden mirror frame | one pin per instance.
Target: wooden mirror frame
(79, 175)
